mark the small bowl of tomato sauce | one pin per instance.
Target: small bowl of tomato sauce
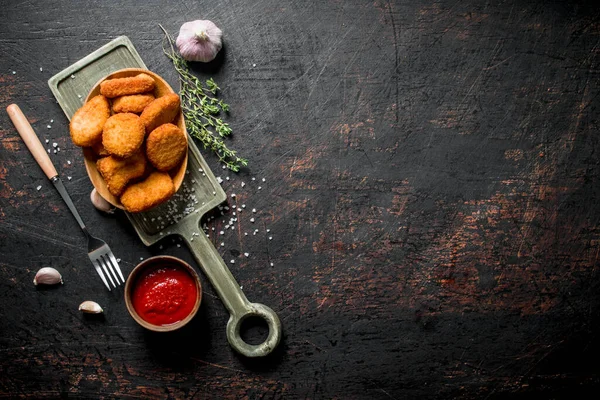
(163, 293)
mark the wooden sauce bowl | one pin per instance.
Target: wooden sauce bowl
(161, 88)
(151, 263)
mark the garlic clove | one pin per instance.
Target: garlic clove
(47, 276)
(199, 40)
(90, 307)
(100, 203)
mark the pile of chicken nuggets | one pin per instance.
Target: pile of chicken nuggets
(135, 139)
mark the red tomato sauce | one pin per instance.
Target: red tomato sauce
(164, 295)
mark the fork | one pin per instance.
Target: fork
(101, 256)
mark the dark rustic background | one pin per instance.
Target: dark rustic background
(431, 188)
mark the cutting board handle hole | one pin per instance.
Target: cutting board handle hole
(254, 330)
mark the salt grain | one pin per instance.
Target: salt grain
(39, 187)
(232, 261)
(69, 177)
(54, 144)
(48, 126)
(260, 187)
(246, 254)
(47, 141)
(252, 220)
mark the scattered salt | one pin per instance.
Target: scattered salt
(246, 254)
(72, 76)
(270, 237)
(39, 187)
(243, 184)
(263, 179)
(252, 220)
(69, 177)
(48, 126)
(260, 187)
(254, 210)
(118, 260)
(14, 72)
(47, 141)
(54, 144)
(41, 69)
(232, 261)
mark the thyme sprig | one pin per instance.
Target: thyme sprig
(201, 109)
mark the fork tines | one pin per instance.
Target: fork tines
(104, 260)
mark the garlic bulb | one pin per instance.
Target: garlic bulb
(199, 40)
(90, 307)
(47, 276)
(100, 203)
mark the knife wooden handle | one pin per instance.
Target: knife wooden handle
(31, 140)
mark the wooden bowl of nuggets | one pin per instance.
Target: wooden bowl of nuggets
(134, 141)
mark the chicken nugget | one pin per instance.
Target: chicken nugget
(87, 122)
(123, 134)
(165, 147)
(118, 172)
(160, 111)
(133, 103)
(116, 87)
(99, 150)
(157, 188)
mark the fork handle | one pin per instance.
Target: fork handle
(39, 153)
(31, 140)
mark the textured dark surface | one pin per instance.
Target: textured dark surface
(431, 188)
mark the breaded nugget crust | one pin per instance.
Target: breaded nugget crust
(118, 172)
(133, 103)
(87, 122)
(116, 87)
(154, 190)
(160, 111)
(166, 146)
(99, 150)
(123, 134)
